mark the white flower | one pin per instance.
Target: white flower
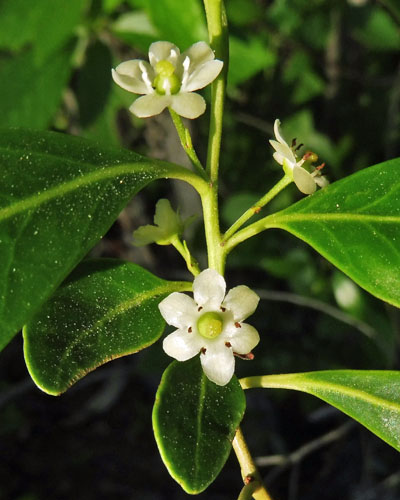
(169, 79)
(211, 324)
(292, 165)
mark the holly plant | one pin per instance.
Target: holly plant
(60, 194)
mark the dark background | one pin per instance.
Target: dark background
(330, 70)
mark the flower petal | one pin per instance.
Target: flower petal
(150, 105)
(304, 180)
(128, 75)
(241, 301)
(166, 218)
(218, 364)
(277, 132)
(160, 51)
(146, 234)
(188, 105)
(181, 345)
(203, 75)
(209, 289)
(243, 339)
(198, 53)
(321, 180)
(179, 310)
(284, 150)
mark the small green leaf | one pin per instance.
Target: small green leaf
(369, 396)
(106, 309)
(355, 224)
(58, 196)
(194, 423)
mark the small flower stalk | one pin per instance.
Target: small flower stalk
(169, 79)
(293, 165)
(211, 324)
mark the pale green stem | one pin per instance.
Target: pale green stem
(248, 467)
(255, 209)
(282, 381)
(186, 142)
(215, 251)
(248, 490)
(218, 34)
(191, 263)
(244, 234)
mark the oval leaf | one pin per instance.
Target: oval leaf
(106, 309)
(194, 423)
(369, 396)
(58, 196)
(355, 224)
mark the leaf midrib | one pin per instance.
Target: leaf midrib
(277, 220)
(122, 308)
(37, 199)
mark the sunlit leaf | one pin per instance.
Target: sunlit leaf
(58, 196)
(369, 396)
(355, 224)
(106, 309)
(194, 423)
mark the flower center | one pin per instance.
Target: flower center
(166, 82)
(210, 325)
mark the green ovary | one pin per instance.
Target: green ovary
(209, 325)
(166, 78)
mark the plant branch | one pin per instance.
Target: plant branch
(255, 209)
(186, 142)
(248, 467)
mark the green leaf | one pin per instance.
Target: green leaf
(22, 21)
(94, 83)
(194, 423)
(355, 224)
(178, 23)
(248, 58)
(106, 309)
(369, 396)
(58, 196)
(30, 92)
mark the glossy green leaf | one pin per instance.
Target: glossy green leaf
(369, 396)
(106, 309)
(58, 196)
(355, 224)
(194, 423)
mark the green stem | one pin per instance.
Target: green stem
(248, 490)
(218, 35)
(215, 251)
(248, 467)
(186, 142)
(285, 181)
(244, 234)
(191, 263)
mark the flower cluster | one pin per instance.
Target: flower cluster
(211, 324)
(169, 79)
(292, 165)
